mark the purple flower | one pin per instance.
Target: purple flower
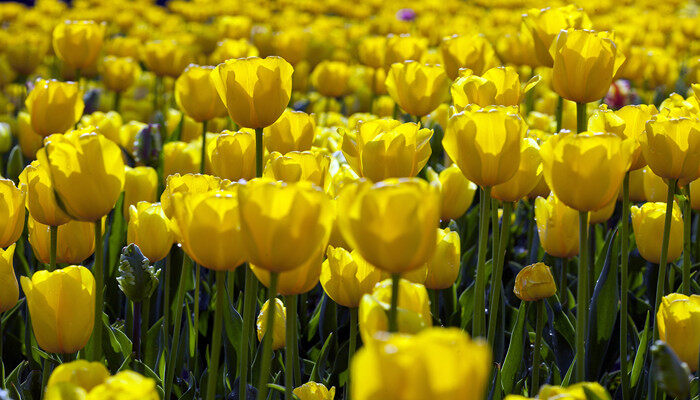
(406, 14)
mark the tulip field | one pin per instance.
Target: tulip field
(366, 200)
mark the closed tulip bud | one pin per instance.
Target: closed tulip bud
(124, 46)
(81, 373)
(331, 78)
(400, 48)
(232, 48)
(188, 183)
(87, 172)
(371, 51)
(75, 242)
(585, 63)
(385, 148)
(534, 282)
(150, 229)
(209, 228)
(297, 281)
(271, 214)
(41, 199)
(54, 107)
(346, 277)
(165, 57)
(196, 95)
(407, 367)
(456, 191)
(635, 118)
(413, 310)
(557, 227)
(293, 131)
(278, 330)
(137, 278)
(678, 320)
(78, 43)
(13, 211)
(443, 267)
(418, 89)
(392, 224)
(298, 166)
(586, 170)
(472, 52)
(577, 391)
(671, 147)
(545, 24)
(233, 155)
(29, 141)
(255, 91)
(119, 73)
(27, 50)
(107, 124)
(497, 86)
(140, 184)
(291, 44)
(604, 214)
(526, 177)
(648, 224)
(125, 385)
(8, 281)
(181, 158)
(62, 306)
(485, 144)
(314, 391)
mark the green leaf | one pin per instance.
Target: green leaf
(233, 324)
(569, 373)
(15, 374)
(514, 357)
(319, 365)
(466, 305)
(639, 358)
(562, 324)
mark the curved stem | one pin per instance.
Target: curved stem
(687, 222)
(624, 284)
(290, 345)
(582, 297)
(213, 373)
(538, 344)
(497, 274)
(393, 320)
(177, 322)
(54, 246)
(203, 165)
(267, 339)
(480, 283)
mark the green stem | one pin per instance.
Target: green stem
(45, 373)
(136, 330)
(98, 271)
(216, 333)
(581, 117)
(497, 274)
(249, 299)
(434, 295)
(203, 165)
(624, 284)
(258, 152)
(2, 365)
(660, 283)
(195, 322)
(480, 284)
(290, 345)
(166, 300)
(559, 112)
(538, 350)
(494, 230)
(54, 246)
(582, 297)
(117, 101)
(352, 346)
(177, 322)
(145, 311)
(393, 316)
(563, 285)
(687, 222)
(267, 339)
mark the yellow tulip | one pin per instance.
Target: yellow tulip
(298, 166)
(188, 183)
(473, 52)
(586, 170)
(81, 373)
(456, 191)
(557, 227)
(124, 46)
(678, 320)
(346, 278)
(196, 95)
(418, 89)
(165, 57)
(140, 184)
(314, 391)
(654, 187)
(54, 107)
(234, 26)
(278, 330)
(331, 78)
(41, 199)
(8, 281)
(78, 43)
(26, 51)
(385, 148)
(209, 228)
(637, 186)
(438, 363)
(74, 244)
(545, 24)
(485, 144)
(526, 177)
(232, 48)
(604, 214)
(62, 306)
(150, 229)
(635, 118)
(392, 224)
(371, 51)
(87, 172)
(534, 282)
(108, 124)
(585, 63)
(648, 225)
(181, 158)
(671, 147)
(400, 48)
(297, 281)
(413, 310)
(125, 385)
(233, 155)
(12, 212)
(283, 224)
(255, 91)
(29, 141)
(291, 44)
(119, 73)
(293, 131)
(497, 86)
(577, 391)
(443, 267)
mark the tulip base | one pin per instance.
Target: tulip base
(213, 373)
(267, 339)
(582, 298)
(393, 321)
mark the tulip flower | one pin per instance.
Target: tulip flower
(648, 224)
(75, 242)
(54, 107)
(401, 48)
(472, 52)
(188, 183)
(456, 191)
(291, 44)
(497, 86)
(330, 78)
(182, 158)
(84, 374)
(345, 278)
(13, 212)
(140, 184)
(196, 95)
(150, 230)
(26, 51)
(8, 281)
(278, 336)
(62, 307)
(385, 148)
(556, 227)
(165, 57)
(232, 48)
(233, 155)
(545, 24)
(78, 43)
(372, 50)
(298, 166)
(108, 124)
(443, 267)
(526, 177)
(418, 89)
(410, 367)
(602, 215)
(534, 282)
(41, 198)
(119, 73)
(678, 321)
(293, 131)
(255, 91)
(670, 147)
(314, 391)
(577, 391)
(297, 281)
(29, 141)
(635, 118)
(125, 385)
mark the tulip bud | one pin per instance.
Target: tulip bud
(78, 43)
(670, 146)
(137, 278)
(677, 319)
(648, 225)
(278, 331)
(418, 89)
(400, 48)
(472, 52)
(545, 24)
(12, 213)
(26, 51)
(107, 124)
(189, 183)
(81, 373)
(119, 73)
(314, 391)
(75, 241)
(443, 267)
(233, 155)
(330, 78)
(181, 158)
(10, 290)
(125, 385)
(371, 51)
(140, 184)
(150, 229)
(293, 131)
(54, 107)
(346, 277)
(232, 48)
(165, 57)
(298, 166)
(196, 95)
(534, 282)
(67, 296)
(557, 227)
(456, 191)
